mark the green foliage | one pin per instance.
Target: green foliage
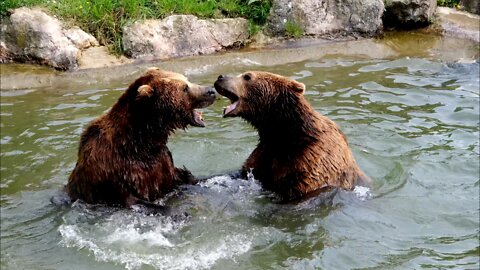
(102, 18)
(253, 28)
(448, 3)
(256, 10)
(105, 19)
(5, 5)
(293, 30)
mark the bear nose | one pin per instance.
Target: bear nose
(210, 91)
(221, 77)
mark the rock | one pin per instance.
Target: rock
(79, 38)
(99, 57)
(182, 35)
(260, 40)
(30, 35)
(5, 55)
(409, 14)
(472, 6)
(459, 24)
(330, 17)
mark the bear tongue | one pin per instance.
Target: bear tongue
(230, 108)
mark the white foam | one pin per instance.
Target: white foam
(226, 183)
(132, 235)
(363, 193)
(250, 175)
(177, 257)
(135, 240)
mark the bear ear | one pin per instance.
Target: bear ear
(298, 87)
(145, 91)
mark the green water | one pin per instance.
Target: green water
(412, 123)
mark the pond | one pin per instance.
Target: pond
(413, 125)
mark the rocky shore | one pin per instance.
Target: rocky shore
(30, 35)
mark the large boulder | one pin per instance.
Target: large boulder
(30, 35)
(409, 14)
(182, 35)
(327, 17)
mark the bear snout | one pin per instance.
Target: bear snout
(210, 91)
(203, 97)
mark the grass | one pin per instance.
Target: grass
(448, 3)
(105, 19)
(293, 30)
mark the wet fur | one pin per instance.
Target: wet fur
(123, 157)
(300, 151)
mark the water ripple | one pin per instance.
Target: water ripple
(412, 125)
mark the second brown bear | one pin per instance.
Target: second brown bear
(300, 151)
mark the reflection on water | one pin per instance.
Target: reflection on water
(413, 125)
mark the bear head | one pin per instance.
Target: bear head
(167, 99)
(258, 95)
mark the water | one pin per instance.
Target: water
(412, 123)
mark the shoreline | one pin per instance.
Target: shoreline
(70, 48)
(392, 45)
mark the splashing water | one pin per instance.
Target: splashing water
(363, 193)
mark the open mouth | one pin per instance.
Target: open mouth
(230, 108)
(197, 120)
(234, 99)
(197, 116)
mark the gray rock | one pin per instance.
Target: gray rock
(30, 35)
(182, 35)
(5, 55)
(459, 24)
(409, 14)
(327, 17)
(80, 38)
(472, 6)
(99, 57)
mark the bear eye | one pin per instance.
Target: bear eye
(247, 77)
(186, 88)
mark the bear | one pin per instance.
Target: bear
(300, 152)
(123, 157)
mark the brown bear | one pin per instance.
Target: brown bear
(300, 152)
(123, 157)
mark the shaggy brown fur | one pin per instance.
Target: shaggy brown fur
(123, 157)
(300, 151)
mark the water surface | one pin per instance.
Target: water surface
(412, 123)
